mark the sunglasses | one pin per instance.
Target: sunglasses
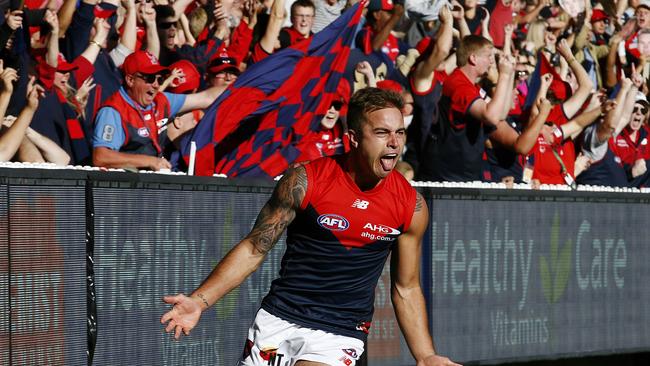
(143, 1)
(643, 110)
(166, 25)
(149, 78)
(226, 73)
(337, 105)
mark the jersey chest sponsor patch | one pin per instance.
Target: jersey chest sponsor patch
(359, 230)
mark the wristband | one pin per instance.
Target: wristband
(92, 41)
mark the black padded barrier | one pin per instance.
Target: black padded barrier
(86, 257)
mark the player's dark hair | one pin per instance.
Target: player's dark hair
(368, 100)
(164, 12)
(302, 3)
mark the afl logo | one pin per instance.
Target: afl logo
(333, 222)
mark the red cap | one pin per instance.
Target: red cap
(104, 10)
(390, 85)
(63, 65)
(192, 77)
(35, 4)
(222, 64)
(142, 62)
(598, 15)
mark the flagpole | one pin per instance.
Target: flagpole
(190, 169)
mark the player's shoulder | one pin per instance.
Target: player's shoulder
(400, 191)
(322, 169)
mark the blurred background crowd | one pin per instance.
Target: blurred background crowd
(512, 91)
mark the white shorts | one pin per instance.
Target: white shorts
(276, 342)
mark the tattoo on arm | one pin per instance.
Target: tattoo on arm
(279, 211)
(299, 187)
(419, 202)
(200, 296)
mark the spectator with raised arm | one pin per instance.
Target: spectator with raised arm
(606, 167)
(326, 11)
(376, 36)
(61, 116)
(202, 52)
(16, 134)
(85, 35)
(13, 21)
(276, 38)
(588, 53)
(269, 40)
(631, 30)
(475, 16)
(127, 128)
(467, 117)
(631, 145)
(426, 80)
(571, 101)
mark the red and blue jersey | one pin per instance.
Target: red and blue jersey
(461, 137)
(336, 249)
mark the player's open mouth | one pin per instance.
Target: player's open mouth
(388, 161)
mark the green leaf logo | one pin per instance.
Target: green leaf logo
(228, 304)
(556, 269)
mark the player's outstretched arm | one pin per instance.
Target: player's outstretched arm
(406, 293)
(244, 258)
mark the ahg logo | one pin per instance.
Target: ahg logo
(333, 222)
(382, 229)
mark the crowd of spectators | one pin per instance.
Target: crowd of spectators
(511, 91)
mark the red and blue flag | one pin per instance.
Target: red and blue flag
(560, 89)
(254, 127)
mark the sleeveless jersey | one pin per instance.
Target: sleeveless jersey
(461, 137)
(336, 249)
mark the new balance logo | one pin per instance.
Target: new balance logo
(360, 204)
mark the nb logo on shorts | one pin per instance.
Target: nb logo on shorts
(360, 204)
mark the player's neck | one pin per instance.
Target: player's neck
(471, 73)
(360, 174)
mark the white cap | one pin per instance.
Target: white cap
(640, 97)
